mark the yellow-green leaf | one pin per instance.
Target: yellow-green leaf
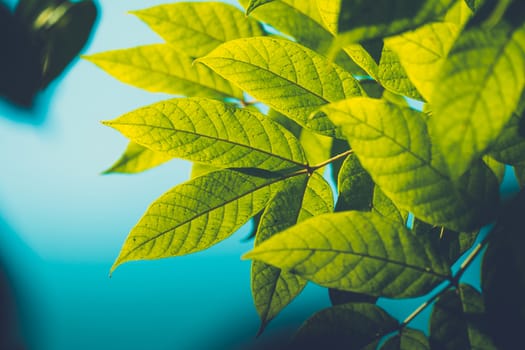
(304, 197)
(256, 3)
(286, 76)
(356, 251)
(136, 159)
(198, 214)
(478, 89)
(213, 132)
(161, 68)
(197, 28)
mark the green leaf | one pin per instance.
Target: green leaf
(393, 77)
(284, 75)
(407, 339)
(304, 197)
(329, 13)
(393, 145)
(316, 147)
(161, 68)
(474, 4)
(198, 214)
(339, 297)
(136, 159)
(497, 168)
(254, 4)
(479, 87)
(509, 148)
(355, 186)
(212, 132)
(197, 28)
(199, 169)
(422, 53)
(459, 321)
(356, 251)
(382, 205)
(349, 326)
(385, 17)
(519, 171)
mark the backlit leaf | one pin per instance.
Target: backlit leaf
(197, 28)
(393, 145)
(304, 197)
(385, 17)
(212, 132)
(316, 146)
(479, 87)
(382, 205)
(136, 159)
(284, 75)
(509, 147)
(459, 321)
(355, 186)
(407, 339)
(256, 3)
(161, 68)
(393, 77)
(198, 214)
(349, 326)
(422, 52)
(356, 251)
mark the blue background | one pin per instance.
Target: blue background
(62, 224)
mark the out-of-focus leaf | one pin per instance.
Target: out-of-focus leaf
(212, 132)
(196, 28)
(407, 339)
(136, 159)
(509, 147)
(349, 326)
(355, 251)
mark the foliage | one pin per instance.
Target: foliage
(413, 190)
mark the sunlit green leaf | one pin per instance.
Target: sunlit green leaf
(422, 52)
(459, 321)
(316, 146)
(393, 145)
(382, 205)
(385, 17)
(161, 68)
(407, 339)
(284, 75)
(356, 251)
(459, 14)
(196, 28)
(256, 3)
(479, 87)
(329, 13)
(136, 159)
(349, 326)
(212, 132)
(304, 197)
(393, 77)
(199, 169)
(198, 214)
(355, 186)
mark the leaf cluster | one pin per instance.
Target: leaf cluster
(417, 107)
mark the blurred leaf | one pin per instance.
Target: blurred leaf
(497, 168)
(407, 339)
(136, 159)
(338, 297)
(212, 132)
(161, 68)
(349, 326)
(295, 87)
(509, 147)
(459, 321)
(479, 87)
(304, 197)
(519, 171)
(197, 28)
(354, 251)
(256, 3)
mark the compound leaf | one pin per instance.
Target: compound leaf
(161, 68)
(356, 251)
(393, 145)
(198, 214)
(459, 321)
(286, 76)
(197, 28)
(348, 326)
(479, 87)
(137, 158)
(305, 196)
(212, 132)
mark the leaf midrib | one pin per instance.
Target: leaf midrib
(212, 138)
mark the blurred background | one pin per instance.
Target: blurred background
(62, 224)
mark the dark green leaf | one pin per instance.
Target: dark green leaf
(355, 186)
(356, 251)
(338, 297)
(407, 339)
(349, 326)
(509, 148)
